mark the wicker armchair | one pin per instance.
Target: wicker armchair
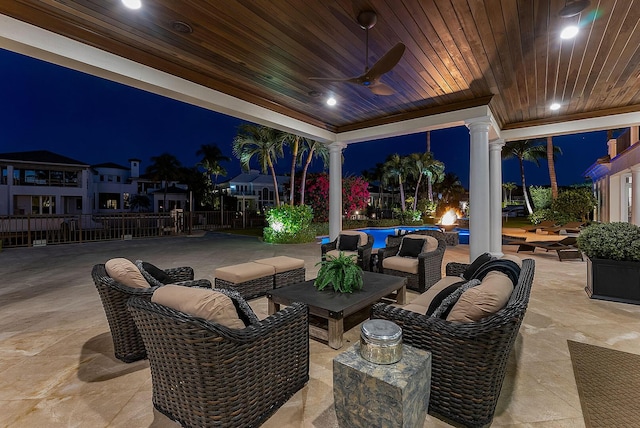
(127, 342)
(364, 252)
(205, 374)
(429, 264)
(468, 359)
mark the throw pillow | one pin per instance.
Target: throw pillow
(410, 247)
(507, 267)
(475, 265)
(449, 301)
(482, 301)
(443, 294)
(199, 302)
(154, 275)
(125, 272)
(348, 242)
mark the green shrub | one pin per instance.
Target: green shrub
(289, 225)
(541, 215)
(573, 205)
(541, 197)
(408, 217)
(615, 241)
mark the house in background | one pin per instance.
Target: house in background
(616, 179)
(43, 182)
(254, 191)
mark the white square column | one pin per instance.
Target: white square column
(635, 195)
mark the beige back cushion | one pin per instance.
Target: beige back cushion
(198, 302)
(430, 243)
(363, 237)
(483, 300)
(517, 260)
(125, 272)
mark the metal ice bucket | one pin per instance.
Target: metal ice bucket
(381, 341)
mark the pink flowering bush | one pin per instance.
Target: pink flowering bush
(355, 195)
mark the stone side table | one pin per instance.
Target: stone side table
(382, 395)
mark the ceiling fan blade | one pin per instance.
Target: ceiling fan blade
(387, 62)
(381, 89)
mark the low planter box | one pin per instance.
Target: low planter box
(614, 280)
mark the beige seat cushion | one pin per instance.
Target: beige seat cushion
(402, 264)
(430, 244)
(336, 253)
(483, 300)
(198, 302)
(244, 272)
(282, 263)
(421, 303)
(363, 237)
(125, 272)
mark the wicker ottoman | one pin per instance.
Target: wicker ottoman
(288, 270)
(249, 279)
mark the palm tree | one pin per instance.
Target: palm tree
(424, 164)
(164, 168)
(524, 150)
(294, 142)
(552, 151)
(139, 203)
(508, 187)
(375, 175)
(450, 188)
(211, 158)
(261, 142)
(314, 150)
(396, 167)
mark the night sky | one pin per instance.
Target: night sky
(48, 107)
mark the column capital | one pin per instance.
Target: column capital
(479, 123)
(337, 146)
(497, 144)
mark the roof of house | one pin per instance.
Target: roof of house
(110, 165)
(257, 178)
(172, 189)
(40, 156)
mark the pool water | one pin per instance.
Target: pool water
(379, 235)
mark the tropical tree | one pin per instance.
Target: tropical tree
(396, 167)
(552, 151)
(524, 150)
(164, 168)
(424, 165)
(293, 141)
(375, 175)
(211, 158)
(508, 187)
(199, 183)
(139, 203)
(450, 189)
(263, 143)
(313, 150)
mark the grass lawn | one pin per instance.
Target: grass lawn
(516, 222)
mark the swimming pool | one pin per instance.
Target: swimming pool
(379, 235)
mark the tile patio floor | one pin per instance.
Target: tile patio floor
(58, 370)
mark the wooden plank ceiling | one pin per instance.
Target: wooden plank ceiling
(460, 53)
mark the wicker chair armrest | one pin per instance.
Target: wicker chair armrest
(184, 273)
(387, 252)
(368, 245)
(204, 283)
(455, 269)
(324, 248)
(394, 240)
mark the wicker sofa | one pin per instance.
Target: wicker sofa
(468, 359)
(363, 251)
(205, 374)
(127, 343)
(429, 263)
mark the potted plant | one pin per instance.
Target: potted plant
(613, 261)
(342, 273)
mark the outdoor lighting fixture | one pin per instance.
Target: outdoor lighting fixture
(569, 32)
(554, 106)
(573, 8)
(132, 4)
(331, 101)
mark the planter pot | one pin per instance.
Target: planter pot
(613, 280)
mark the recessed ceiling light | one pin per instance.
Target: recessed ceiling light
(132, 4)
(331, 101)
(569, 32)
(554, 106)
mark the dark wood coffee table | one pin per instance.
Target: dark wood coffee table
(334, 307)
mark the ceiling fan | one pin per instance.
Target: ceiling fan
(371, 76)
